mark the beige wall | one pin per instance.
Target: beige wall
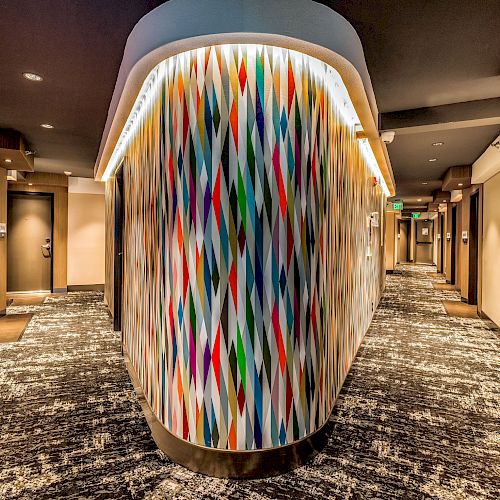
(491, 249)
(3, 241)
(390, 241)
(85, 238)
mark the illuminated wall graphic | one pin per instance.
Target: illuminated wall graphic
(248, 284)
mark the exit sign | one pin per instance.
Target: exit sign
(398, 205)
(416, 215)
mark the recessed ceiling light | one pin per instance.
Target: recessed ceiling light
(433, 159)
(437, 143)
(444, 201)
(8, 160)
(460, 183)
(30, 184)
(420, 199)
(46, 125)
(425, 183)
(67, 172)
(32, 77)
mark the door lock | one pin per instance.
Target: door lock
(47, 249)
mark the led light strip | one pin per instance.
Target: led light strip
(156, 78)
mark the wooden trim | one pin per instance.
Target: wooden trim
(86, 288)
(47, 179)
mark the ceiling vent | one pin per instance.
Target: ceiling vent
(13, 152)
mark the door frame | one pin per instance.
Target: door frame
(11, 194)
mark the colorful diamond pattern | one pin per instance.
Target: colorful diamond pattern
(247, 285)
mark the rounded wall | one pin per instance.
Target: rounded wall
(302, 25)
(251, 270)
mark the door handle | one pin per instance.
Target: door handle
(46, 250)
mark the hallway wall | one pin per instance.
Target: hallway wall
(85, 232)
(491, 247)
(3, 241)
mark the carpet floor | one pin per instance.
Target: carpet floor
(418, 416)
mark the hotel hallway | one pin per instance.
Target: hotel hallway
(418, 416)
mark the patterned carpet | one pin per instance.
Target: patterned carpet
(418, 417)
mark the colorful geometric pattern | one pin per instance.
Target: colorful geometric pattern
(250, 270)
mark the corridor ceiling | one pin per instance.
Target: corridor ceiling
(435, 69)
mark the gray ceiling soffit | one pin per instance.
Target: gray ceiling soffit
(179, 20)
(457, 115)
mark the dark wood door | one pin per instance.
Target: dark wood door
(453, 243)
(29, 243)
(473, 248)
(442, 237)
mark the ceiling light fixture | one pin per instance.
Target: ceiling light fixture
(425, 183)
(8, 160)
(67, 172)
(46, 125)
(433, 159)
(33, 77)
(437, 143)
(420, 199)
(460, 183)
(30, 184)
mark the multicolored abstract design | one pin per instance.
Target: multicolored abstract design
(251, 272)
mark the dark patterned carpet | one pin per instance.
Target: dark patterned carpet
(418, 417)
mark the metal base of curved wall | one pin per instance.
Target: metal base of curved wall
(230, 464)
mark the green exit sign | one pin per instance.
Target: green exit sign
(398, 206)
(415, 215)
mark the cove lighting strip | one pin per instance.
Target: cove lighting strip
(150, 89)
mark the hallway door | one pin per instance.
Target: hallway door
(442, 238)
(424, 242)
(453, 243)
(29, 242)
(404, 240)
(473, 248)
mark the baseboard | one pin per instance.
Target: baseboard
(389, 271)
(251, 464)
(3, 312)
(86, 288)
(60, 290)
(484, 316)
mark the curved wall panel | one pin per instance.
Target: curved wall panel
(251, 271)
